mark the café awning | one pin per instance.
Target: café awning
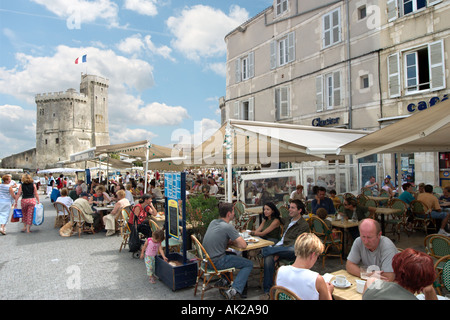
(425, 131)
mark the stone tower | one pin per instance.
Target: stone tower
(70, 122)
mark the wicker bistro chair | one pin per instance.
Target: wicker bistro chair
(62, 214)
(442, 267)
(421, 216)
(284, 212)
(320, 229)
(207, 270)
(366, 191)
(125, 229)
(77, 217)
(397, 220)
(240, 216)
(282, 293)
(437, 245)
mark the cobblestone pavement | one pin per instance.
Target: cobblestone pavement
(44, 265)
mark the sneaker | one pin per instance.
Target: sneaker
(110, 233)
(229, 294)
(442, 231)
(222, 283)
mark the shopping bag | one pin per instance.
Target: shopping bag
(12, 217)
(38, 214)
(17, 213)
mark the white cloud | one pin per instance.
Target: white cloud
(120, 135)
(219, 68)
(144, 7)
(83, 11)
(135, 45)
(131, 45)
(200, 30)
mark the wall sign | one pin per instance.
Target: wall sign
(422, 105)
(317, 122)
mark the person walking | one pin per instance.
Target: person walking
(6, 200)
(30, 198)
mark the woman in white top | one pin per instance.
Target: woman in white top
(6, 200)
(64, 198)
(306, 284)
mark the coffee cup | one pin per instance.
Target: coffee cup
(360, 285)
(245, 234)
(341, 280)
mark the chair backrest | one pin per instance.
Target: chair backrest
(438, 189)
(284, 212)
(398, 204)
(445, 276)
(61, 209)
(76, 215)
(282, 293)
(418, 207)
(239, 209)
(286, 198)
(366, 191)
(362, 199)
(439, 246)
(125, 214)
(202, 254)
(308, 206)
(319, 227)
(371, 203)
(153, 225)
(341, 197)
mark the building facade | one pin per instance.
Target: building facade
(352, 64)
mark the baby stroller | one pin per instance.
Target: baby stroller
(136, 240)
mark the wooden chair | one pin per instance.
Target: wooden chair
(77, 217)
(174, 244)
(282, 293)
(62, 214)
(421, 215)
(320, 229)
(207, 270)
(437, 245)
(361, 199)
(384, 194)
(399, 219)
(239, 213)
(125, 229)
(122, 220)
(284, 212)
(286, 198)
(308, 206)
(366, 191)
(442, 267)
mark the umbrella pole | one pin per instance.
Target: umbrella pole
(146, 169)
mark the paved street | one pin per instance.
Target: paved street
(44, 265)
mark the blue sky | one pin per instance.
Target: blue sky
(165, 61)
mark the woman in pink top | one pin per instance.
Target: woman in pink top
(150, 249)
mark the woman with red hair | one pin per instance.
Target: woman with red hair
(414, 273)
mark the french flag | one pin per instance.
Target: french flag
(82, 59)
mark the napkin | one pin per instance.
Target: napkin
(327, 277)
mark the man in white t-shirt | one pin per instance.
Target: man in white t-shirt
(372, 249)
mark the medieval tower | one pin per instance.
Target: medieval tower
(70, 122)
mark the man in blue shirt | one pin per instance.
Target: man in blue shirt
(407, 194)
(321, 201)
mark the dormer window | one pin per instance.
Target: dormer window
(281, 6)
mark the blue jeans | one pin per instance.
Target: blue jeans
(269, 262)
(233, 261)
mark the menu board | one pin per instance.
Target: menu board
(173, 214)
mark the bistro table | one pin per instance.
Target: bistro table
(346, 224)
(385, 211)
(349, 293)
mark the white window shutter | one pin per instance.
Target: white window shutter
(251, 109)
(286, 108)
(392, 10)
(237, 110)
(437, 67)
(291, 46)
(237, 70)
(277, 103)
(273, 55)
(394, 75)
(251, 64)
(319, 93)
(433, 2)
(337, 88)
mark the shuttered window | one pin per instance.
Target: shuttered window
(332, 28)
(245, 67)
(282, 51)
(282, 103)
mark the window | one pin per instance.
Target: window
(282, 104)
(281, 6)
(244, 110)
(362, 12)
(57, 140)
(328, 91)
(410, 6)
(423, 69)
(245, 67)
(399, 8)
(282, 51)
(364, 81)
(332, 28)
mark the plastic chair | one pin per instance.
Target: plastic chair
(397, 220)
(421, 215)
(320, 229)
(207, 270)
(282, 293)
(77, 217)
(442, 267)
(62, 214)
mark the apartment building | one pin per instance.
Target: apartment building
(351, 64)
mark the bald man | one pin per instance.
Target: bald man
(372, 249)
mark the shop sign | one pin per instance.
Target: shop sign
(422, 105)
(317, 122)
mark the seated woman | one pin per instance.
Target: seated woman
(141, 210)
(414, 272)
(100, 195)
(298, 277)
(269, 229)
(64, 198)
(109, 220)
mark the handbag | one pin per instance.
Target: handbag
(38, 214)
(17, 213)
(13, 219)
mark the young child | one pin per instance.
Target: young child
(150, 249)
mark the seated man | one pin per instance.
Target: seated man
(285, 247)
(218, 237)
(372, 249)
(436, 211)
(407, 195)
(84, 205)
(321, 201)
(353, 211)
(373, 185)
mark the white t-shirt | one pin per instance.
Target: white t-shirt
(300, 281)
(66, 200)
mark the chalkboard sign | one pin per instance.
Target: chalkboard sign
(173, 219)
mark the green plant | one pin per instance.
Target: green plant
(200, 211)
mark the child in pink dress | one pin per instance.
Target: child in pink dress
(150, 249)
